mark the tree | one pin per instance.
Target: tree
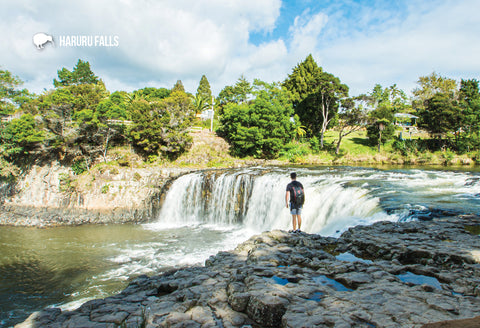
(238, 93)
(261, 127)
(442, 114)
(200, 104)
(431, 85)
(161, 127)
(81, 74)
(178, 86)
(381, 131)
(352, 118)
(154, 94)
(10, 96)
(20, 136)
(469, 97)
(315, 95)
(204, 92)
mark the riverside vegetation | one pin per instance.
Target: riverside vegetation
(307, 118)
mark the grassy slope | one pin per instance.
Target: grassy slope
(210, 151)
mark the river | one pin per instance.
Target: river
(209, 211)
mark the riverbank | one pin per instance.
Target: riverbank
(383, 275)
(126, 189)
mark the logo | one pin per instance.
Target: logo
(76, 41)
(41, 39)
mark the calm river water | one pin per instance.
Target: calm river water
(210, 211)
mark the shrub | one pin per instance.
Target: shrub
(79, 166)
(105, 189)
(294, 151)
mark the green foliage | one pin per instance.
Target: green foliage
(431, 85)
(20, 136)
(178, 87)
(66, 183)
(448, 156)
(162, 127)
(8, 171)
(314, 144)
(81, 74)
(153, 94)
(105, 189)
(316, 95)
(260, 128)
(79, 166)
(374, 132)
(10, 96)
(204, 92)
(294, 151)
(238, 94)
(441, 114)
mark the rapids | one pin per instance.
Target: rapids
(210, 211)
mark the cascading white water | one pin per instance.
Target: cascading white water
(256, 200)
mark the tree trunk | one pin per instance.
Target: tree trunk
(340, 136)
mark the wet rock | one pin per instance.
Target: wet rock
(272, 280)
(266, 309)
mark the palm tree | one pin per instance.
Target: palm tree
(199, 103)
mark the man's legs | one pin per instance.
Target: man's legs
(296, 219)
(294, 222)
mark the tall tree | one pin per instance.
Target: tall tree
(81, 74)
(178, 86)
(469, 97)
(238, 93)
(204, 92)
(431, 85)
(316, 95)
(442, 114)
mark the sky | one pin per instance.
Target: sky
(140, 43)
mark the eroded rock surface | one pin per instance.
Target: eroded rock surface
(384, 275)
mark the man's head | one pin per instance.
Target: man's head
(293, 175)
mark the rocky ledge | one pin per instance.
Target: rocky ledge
(383, 275)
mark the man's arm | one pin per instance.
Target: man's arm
(287, 194)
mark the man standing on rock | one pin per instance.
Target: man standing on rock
(295, 196)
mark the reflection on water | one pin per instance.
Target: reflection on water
(417, 279)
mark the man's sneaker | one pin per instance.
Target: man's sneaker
(298, 230)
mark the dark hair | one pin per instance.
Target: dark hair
(293, 175)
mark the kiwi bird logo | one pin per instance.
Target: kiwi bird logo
(40, 39)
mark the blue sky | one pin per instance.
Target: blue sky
(361, 42)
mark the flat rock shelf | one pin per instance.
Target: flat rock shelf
(383, 275)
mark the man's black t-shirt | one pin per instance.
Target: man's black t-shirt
(290, 188)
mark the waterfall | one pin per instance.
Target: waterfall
(255, 199)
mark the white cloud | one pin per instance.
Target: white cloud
(162, 41)
(305, 32)
(443, 38)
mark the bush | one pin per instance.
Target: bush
(105, 189)
(79, 166)
(294, 151)
(314, 144)
(259, 128)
